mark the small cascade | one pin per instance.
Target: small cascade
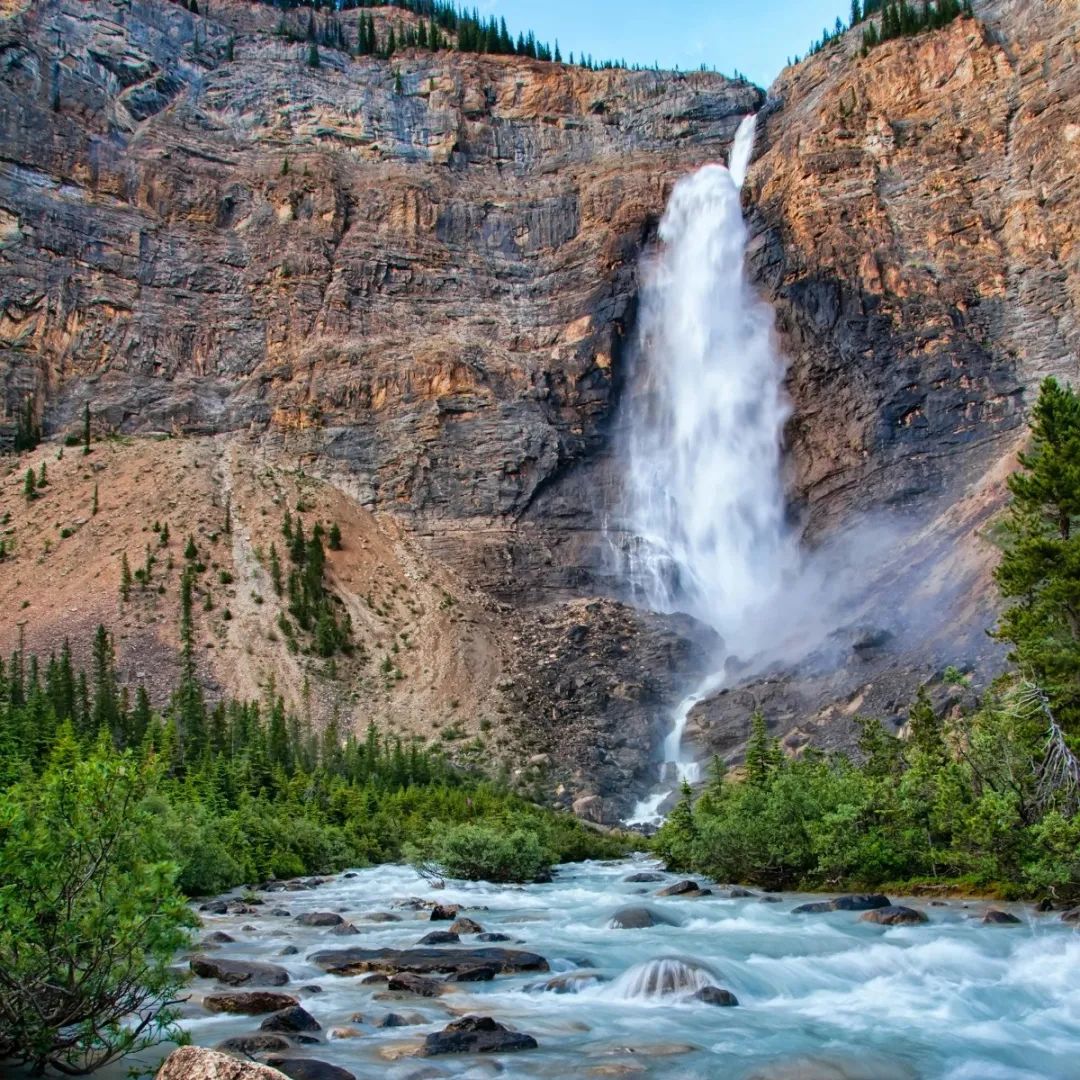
(706, 409)
(664, 977)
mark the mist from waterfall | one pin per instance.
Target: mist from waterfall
(706, 409)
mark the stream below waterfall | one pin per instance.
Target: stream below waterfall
(821, 996)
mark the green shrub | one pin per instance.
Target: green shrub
(486, 853)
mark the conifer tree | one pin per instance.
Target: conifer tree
(125, 578)
(94, 502)
(763, 754)
(1040, 569)
(30, 486)
(43, 476)
(86, 428)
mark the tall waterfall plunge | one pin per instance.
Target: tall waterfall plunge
(704, 497)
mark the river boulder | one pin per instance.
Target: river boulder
(681, 888)
(715, 995)
(861, 902)
(445, 912)
(197, 1063)
(249, 1003)
(463, 925)
(238, 972)
(290, 1021)
(246, 1046)
(407, 983)
(440, 937)
(476, 1035)
(996, 917)
(426, 961)
(644, 877)
(310, 1069)
(320, 918)
(638, 918)
(894, 915)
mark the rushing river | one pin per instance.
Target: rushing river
(822, 997)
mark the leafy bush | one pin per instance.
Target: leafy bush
(90, 916)
(485, 853)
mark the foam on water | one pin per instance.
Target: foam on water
(949, 999)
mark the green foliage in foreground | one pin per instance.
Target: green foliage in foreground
(108, 810)
(90, 915)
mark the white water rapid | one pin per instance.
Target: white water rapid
(704, 496)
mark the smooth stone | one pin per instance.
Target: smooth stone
(644, 876)
(291, 1020)
(312, 989)
(861, 902)
(398, 1020)
(320, 918)
(818, 907)
(249, 1002)
(310, 1069)
(994, 917)
(570, 982)
(425, 961)
(407, 983)
(894, 915)
(215, 907)
(440, 937)
(715, 995)
(238, 972)
(445, 912)
(379, 916)
(198, 1063)
(281, 913)
(289, 950)
(680, 888)
(346, 929)
(638, 918)
(475, 1035)
(494, 937)
(336, 1033)
(218, 937)
(463, 925)
(247, 1045)
(480, 973)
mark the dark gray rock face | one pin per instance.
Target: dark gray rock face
(406, 983)
(440, 937)
(994, 917)
(239, 972)
(476, 1035)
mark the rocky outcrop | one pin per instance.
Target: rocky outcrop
(914, 220)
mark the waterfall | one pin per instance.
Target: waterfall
(704, 500)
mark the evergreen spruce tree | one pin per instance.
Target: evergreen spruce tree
(763, 755)
(1040, 568)
(125, 578)
(30, 486)
(86, 428)
(313, 60)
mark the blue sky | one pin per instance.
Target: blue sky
(757, 38)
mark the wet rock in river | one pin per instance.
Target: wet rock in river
(291, 1020)
(426, 961)
(644, 876)
(818, 907)
(638, 918)
(215, 907)
(1072, 916)
(681, 888)
(345, 929)
(239, 972)
(445, 912)
(995, 917)
(464, 925)
(249, 1002)
(407, 983)
(397, 1020)
(320, 918)
(440, 937)
(248, 1045)
(715, 995)
(310, 1069)
(479, 973)
(894, 915)
(379, 917)
(218, 937)
(861, 902)
(476, 1035)
(494, 937)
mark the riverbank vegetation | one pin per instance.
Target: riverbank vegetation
(986, 801)
(111, 811)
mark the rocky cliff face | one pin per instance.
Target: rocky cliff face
(401, 292)
(410, 279)
(916, 223)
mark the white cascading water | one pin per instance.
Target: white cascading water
(704, 496)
